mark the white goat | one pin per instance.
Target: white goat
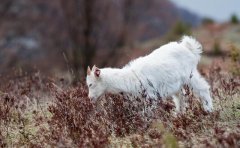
(160, 74)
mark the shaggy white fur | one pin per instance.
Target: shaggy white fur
(160, 74)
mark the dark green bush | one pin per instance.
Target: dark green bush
(182, 28)
(206, 21)
(235, 60)
(234, 19)
(178, 30)
(217, 48)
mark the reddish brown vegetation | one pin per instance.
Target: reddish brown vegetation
(75, 121)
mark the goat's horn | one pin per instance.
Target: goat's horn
(88, 71)
(94, 67)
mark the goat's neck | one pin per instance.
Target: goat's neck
(120, 80)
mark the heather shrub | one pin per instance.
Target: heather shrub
(74, 118)
(38, 112)
(19, 107)
(125, 115)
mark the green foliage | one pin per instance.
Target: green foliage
(206, 21)
(217, 48)
(178, 30)
(181, 28)
(235, 54)
(170, 141)
(234, 19)
(235, 60)
(168, 138)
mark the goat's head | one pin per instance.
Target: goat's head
(96, 88)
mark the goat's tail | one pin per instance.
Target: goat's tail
(193, 45)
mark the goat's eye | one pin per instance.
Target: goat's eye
(90, 85)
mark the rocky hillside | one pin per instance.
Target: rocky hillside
(37, 31)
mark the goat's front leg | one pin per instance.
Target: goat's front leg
(176, 101)
(180, 101)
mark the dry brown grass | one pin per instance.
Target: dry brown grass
(38, 112)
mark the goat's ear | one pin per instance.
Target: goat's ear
(94, 68)
(97, 72)
(88, 71)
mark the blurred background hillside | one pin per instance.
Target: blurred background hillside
(61, 37)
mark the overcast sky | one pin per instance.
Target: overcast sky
(220, 10)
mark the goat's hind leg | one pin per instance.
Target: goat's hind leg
(201, 88)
